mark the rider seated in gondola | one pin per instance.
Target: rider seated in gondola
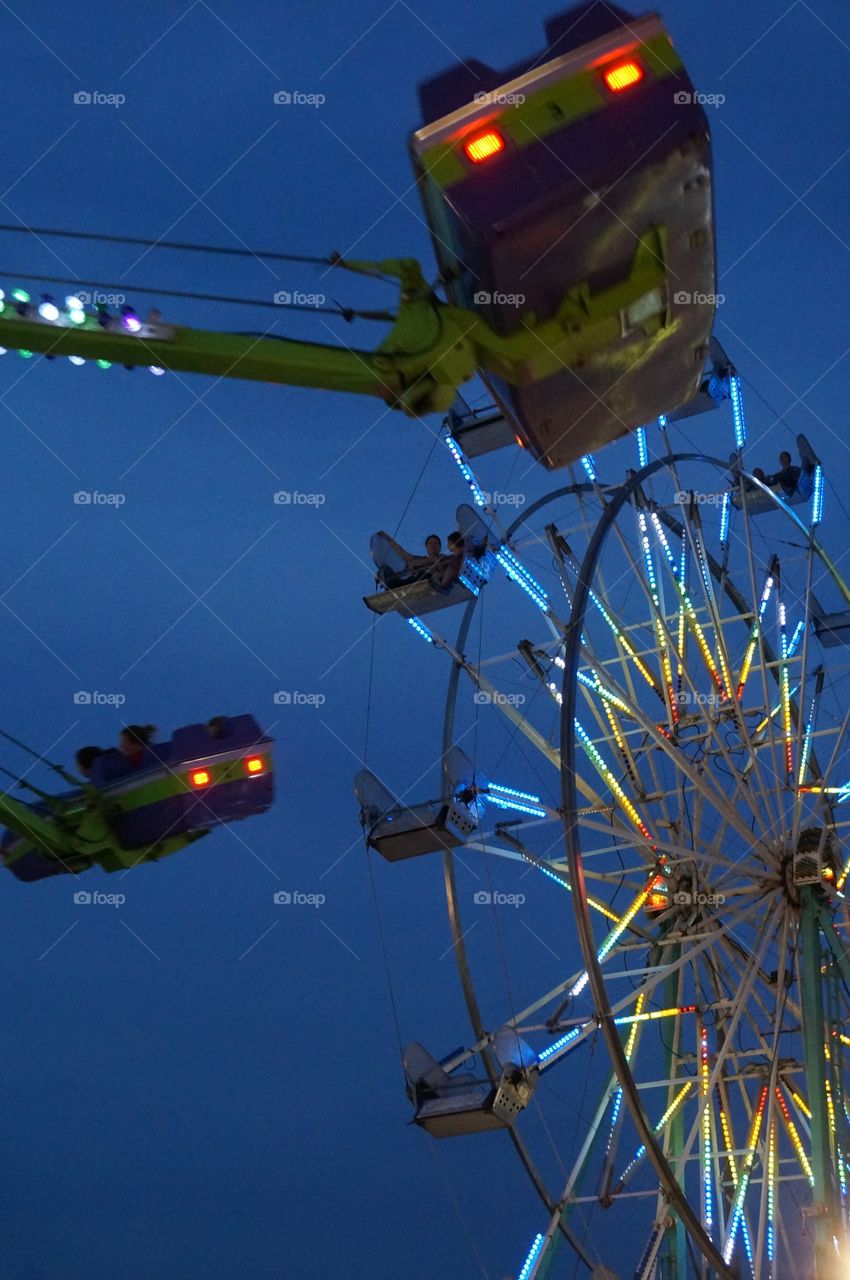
(447, 570)
(787, 477)
(416, 566)
(134, 743)
(85, 758)
(795, 483)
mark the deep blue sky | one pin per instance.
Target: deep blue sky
(201, 1084)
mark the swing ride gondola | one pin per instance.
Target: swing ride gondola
(132, 813)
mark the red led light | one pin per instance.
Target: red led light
(253, 764)
(200, 778)
(623, 76)
(484, 145)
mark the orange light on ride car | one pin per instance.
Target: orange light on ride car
(623, 76)
(657, 902)
(484, 145)
(253, 764)
(200, 777)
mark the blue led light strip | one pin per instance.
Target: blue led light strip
(511, 791)
(725, 512)
(533, 1255)
(559, 1044)
(420, 629)
(817, 496)
(466, 471)
(738, 411)
(536, 593)
(504, 803)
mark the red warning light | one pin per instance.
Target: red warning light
(253, 764)
(200, 778)
(484, 145)
(623, 76)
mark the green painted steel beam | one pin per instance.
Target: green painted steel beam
(432, 349)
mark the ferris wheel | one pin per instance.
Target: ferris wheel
(642, 836)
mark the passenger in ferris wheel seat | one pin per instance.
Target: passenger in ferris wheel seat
(735, 474)
(417, 567)
(447, 569)
(787, 477)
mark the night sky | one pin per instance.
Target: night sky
(200, 1082)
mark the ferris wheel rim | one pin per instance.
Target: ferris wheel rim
(675, 1192)
(459, 947)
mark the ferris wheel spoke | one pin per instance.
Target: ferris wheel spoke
(698, 780)
(727, 1048)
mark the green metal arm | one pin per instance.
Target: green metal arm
(34, 826)
(432, 349)
(77, 834)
